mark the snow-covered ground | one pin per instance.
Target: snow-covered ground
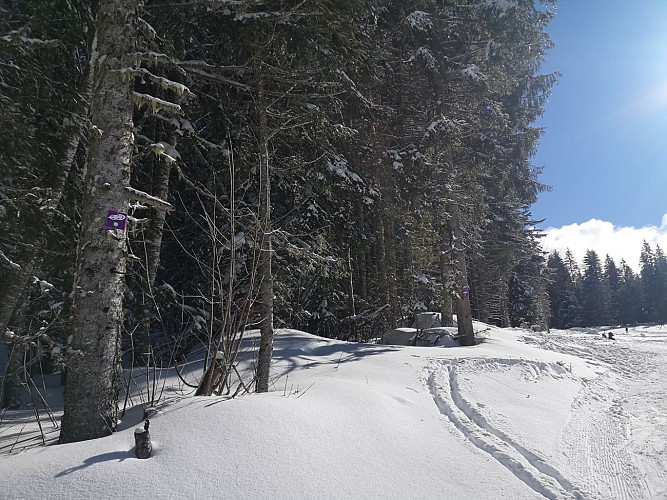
(565, 414)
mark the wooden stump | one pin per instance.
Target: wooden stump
(142, 441)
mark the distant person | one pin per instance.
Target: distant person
(611, 336)
(604, 335)
(626, 328)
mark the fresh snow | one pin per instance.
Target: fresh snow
(522, 415)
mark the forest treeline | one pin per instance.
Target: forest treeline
(603, 293)
(174, 173)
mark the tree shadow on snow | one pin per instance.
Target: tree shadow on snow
(302, 353)
(113, 456)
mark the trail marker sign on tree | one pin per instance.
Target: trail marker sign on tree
(115, 220)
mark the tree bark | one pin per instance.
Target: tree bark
(93, 370)
(446, 272)
(14, 281)
(463, 312)
(264, 262)
(18, 347)
(152, 247)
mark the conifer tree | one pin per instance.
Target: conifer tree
(565, 310)
(593, 294)
(613, 288)
(649, 279)
(43, 99)
(631, 295)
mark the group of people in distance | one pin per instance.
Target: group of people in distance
(610, 335)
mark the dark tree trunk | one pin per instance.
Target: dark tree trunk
(152, 246)
(447, 275)
(11, 387)
(93, 370)
(264, 273)
(463, 312)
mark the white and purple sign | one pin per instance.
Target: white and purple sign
(115, 220)
(466, 290)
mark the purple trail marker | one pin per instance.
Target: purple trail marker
(115, 220)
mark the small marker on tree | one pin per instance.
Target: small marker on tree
(115, 220)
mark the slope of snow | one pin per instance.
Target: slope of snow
(522, 415)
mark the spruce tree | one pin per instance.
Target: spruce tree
(612, 282)
(593, 294)
(631, 295)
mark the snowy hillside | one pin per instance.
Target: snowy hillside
(566, 414)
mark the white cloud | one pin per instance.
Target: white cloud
(605, 238)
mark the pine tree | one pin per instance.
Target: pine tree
(593, 294)
(660, 285)
(565, 309)
(649, 279)
(612, 282)
(43, 98)
(631, 295)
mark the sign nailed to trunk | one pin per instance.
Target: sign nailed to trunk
(115, 220)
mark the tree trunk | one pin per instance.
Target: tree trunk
(93, 370)
(463, 312)
(152, 246)
(446, 268)
(11, 387)
(264, 273)
(391, 268)
(18, 347)
(351, 306)
(13, 282)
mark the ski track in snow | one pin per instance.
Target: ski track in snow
(526, 465)
(615, 437)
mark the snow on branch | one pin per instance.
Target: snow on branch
(147, 29)
(153, 59)
(178, 88)
(473, 72)
(352, 86)
(501, 7)
(149, 200)
(17, 37)
(7, 262)
(419, 20)
(443, 125)
(156, 104)
(339, 166)
(218, 78)
(166, 151)
(239, 4)
(426, 57)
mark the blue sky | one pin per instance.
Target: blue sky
(604, 151)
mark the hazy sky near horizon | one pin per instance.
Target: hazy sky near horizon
(604, 151)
